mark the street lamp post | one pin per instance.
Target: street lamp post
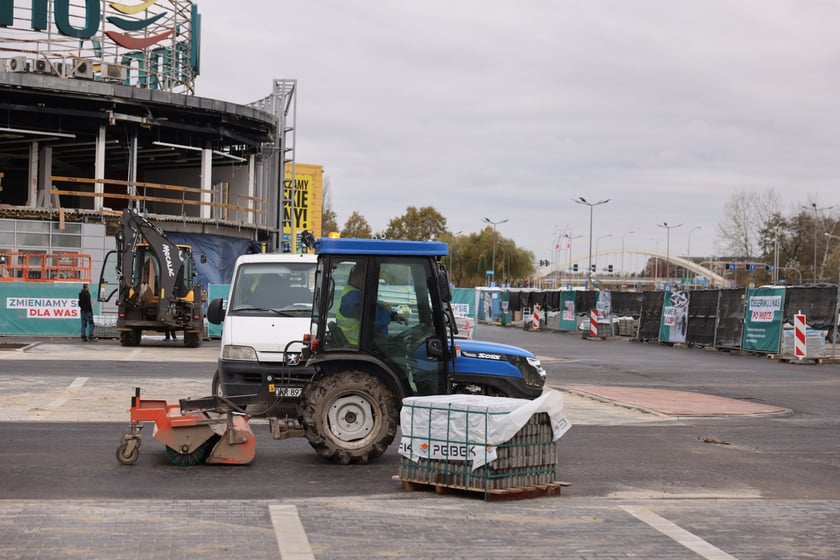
(814, 206)
(836, 306)
(592, 205)
(668, 247)
(622, 249)
(598, 244)
(494, 224)
(570, 238)
(688, 250)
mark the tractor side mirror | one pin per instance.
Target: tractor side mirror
(434, 348)
(443, 285)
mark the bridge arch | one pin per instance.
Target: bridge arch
(714, 278)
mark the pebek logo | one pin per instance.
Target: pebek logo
(167, 255)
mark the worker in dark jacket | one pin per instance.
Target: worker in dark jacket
(86, 312)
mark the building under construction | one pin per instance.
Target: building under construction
(98, 113)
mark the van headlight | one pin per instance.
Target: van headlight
(232, 352)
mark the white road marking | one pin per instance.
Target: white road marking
(291, 537)
(678, 534)
(71, 390)
(41, 412)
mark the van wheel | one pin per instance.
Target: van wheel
(216, 385)
(349, 417)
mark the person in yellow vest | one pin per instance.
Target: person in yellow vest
(350, 309)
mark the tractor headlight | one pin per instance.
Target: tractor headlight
(530, 368)
(232, 352)
(535, 363)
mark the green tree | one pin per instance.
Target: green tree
(329, 221)
(357, 227)
(425, 224)
(473, 257)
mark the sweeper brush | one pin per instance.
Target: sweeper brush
(194, 431)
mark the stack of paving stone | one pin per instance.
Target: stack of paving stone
(814, 343)
(529, 458)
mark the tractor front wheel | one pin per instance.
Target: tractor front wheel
(349, 417)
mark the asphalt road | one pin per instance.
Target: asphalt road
(755, 487)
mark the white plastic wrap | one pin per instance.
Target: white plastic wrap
(469, 427)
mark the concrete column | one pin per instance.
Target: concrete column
(251, 217)
(32, 196)
(99, 168)
(206, 183)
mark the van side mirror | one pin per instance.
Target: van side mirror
(216, 311)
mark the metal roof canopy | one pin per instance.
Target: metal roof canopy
(171, 128)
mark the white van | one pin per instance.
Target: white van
(269, 305)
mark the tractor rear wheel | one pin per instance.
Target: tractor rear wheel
(349, 417)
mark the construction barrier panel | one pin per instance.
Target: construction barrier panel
(42, 308)
(763, 320)
(730, 322)
(702, 316)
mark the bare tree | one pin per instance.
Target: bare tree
(745, 215)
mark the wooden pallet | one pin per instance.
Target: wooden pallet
(513, 493)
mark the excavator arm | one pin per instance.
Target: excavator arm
(135, 230)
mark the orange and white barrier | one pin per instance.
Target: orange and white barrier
(535, 323)
(593, 323)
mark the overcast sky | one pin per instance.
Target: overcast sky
(510, 110)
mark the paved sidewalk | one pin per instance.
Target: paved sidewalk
(416, 525)
(676, 403)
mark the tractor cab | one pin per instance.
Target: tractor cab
(387, 311)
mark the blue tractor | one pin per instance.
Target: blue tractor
(383, 329)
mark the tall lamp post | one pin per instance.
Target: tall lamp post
(668, 247)
(625, 234)
(598, 245)
(836, 307)
(570, 238)
(494, 224)
(688, 251)
(814, 206)
(592, 205)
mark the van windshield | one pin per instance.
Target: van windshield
(273, 289)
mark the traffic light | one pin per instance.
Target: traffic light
(731, 266)
(575, 267)
(609, 268)
(750, 267)
(593, 268)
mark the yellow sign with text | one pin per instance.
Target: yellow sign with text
(303, 198)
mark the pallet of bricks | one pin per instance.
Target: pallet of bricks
(496, 446)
